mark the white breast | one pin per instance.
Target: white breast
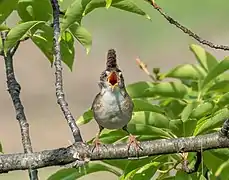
(112, 116)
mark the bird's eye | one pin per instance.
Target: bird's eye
(120, 73)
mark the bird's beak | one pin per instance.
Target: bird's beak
(113, 80)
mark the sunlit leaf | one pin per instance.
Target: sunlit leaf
(150, 118)
(4, 28)
(67, 49)
(137, 90)
(125, 5)
(167, 89)
(142, 129)
(108, 3)
(142, 105)
(73, 14)
(221, 86)
(215, 121)
(224, 100)
(205, 59)
(187, 71)
(216, 71)
(85, 118)
(17, 32)
(187, 111)
(82, 35)
(202, 109)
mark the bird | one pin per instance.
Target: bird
(113, 107)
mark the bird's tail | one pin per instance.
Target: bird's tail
(111, 59)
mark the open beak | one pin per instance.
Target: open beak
(113, 80)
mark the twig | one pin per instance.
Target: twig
(143, 66)
(14, 89)
(62, 156)
(59, 80)
(186, 30)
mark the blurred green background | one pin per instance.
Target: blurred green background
(156, 42)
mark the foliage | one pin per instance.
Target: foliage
(188, 100)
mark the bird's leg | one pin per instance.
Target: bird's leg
(96, 141)
(132, 140)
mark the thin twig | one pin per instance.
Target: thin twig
(63, 156)
(186, 30)
(59, 80)
(143, 66)
(185, 164)
(14, 89)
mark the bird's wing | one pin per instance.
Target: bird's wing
(95, 104)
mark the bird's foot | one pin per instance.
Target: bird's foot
(97, 144)
(133, 141)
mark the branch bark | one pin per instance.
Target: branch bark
(62, 156)
(59, 79)
(14, 89)
(186, 30)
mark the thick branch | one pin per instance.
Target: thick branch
(14, 89)
(186, 30)
(59, 80)
(62, 156)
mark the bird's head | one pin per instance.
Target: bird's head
(111, 78)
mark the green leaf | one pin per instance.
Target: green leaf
(85, 118)
(205, 59)
(142, 105)
(189, 127)
(67, 49)
(121, 164)
(188, 110)
(82, 35)
(6, 8)
(108, 3)
(150, 118)
(73, 173)
(224, 100)
(181, 175)
(213, 162)
(145, 172)
(136, 90)
(134, 164)
(129, 6)
(33, 10)
(187, 71)
(221, 86)
(142, 129)
(167, 89)
(223, 166)
(16, 33)
(4, 28)
(111, 136)
(176, 126)
(44, 42)
(174, 108)
(216, 71)
(202, 109)
(73, 14)
(125, 5)
(215, 121)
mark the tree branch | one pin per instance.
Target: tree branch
(186, 30)
(59, 80)
(62, 156)
(14, 89)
